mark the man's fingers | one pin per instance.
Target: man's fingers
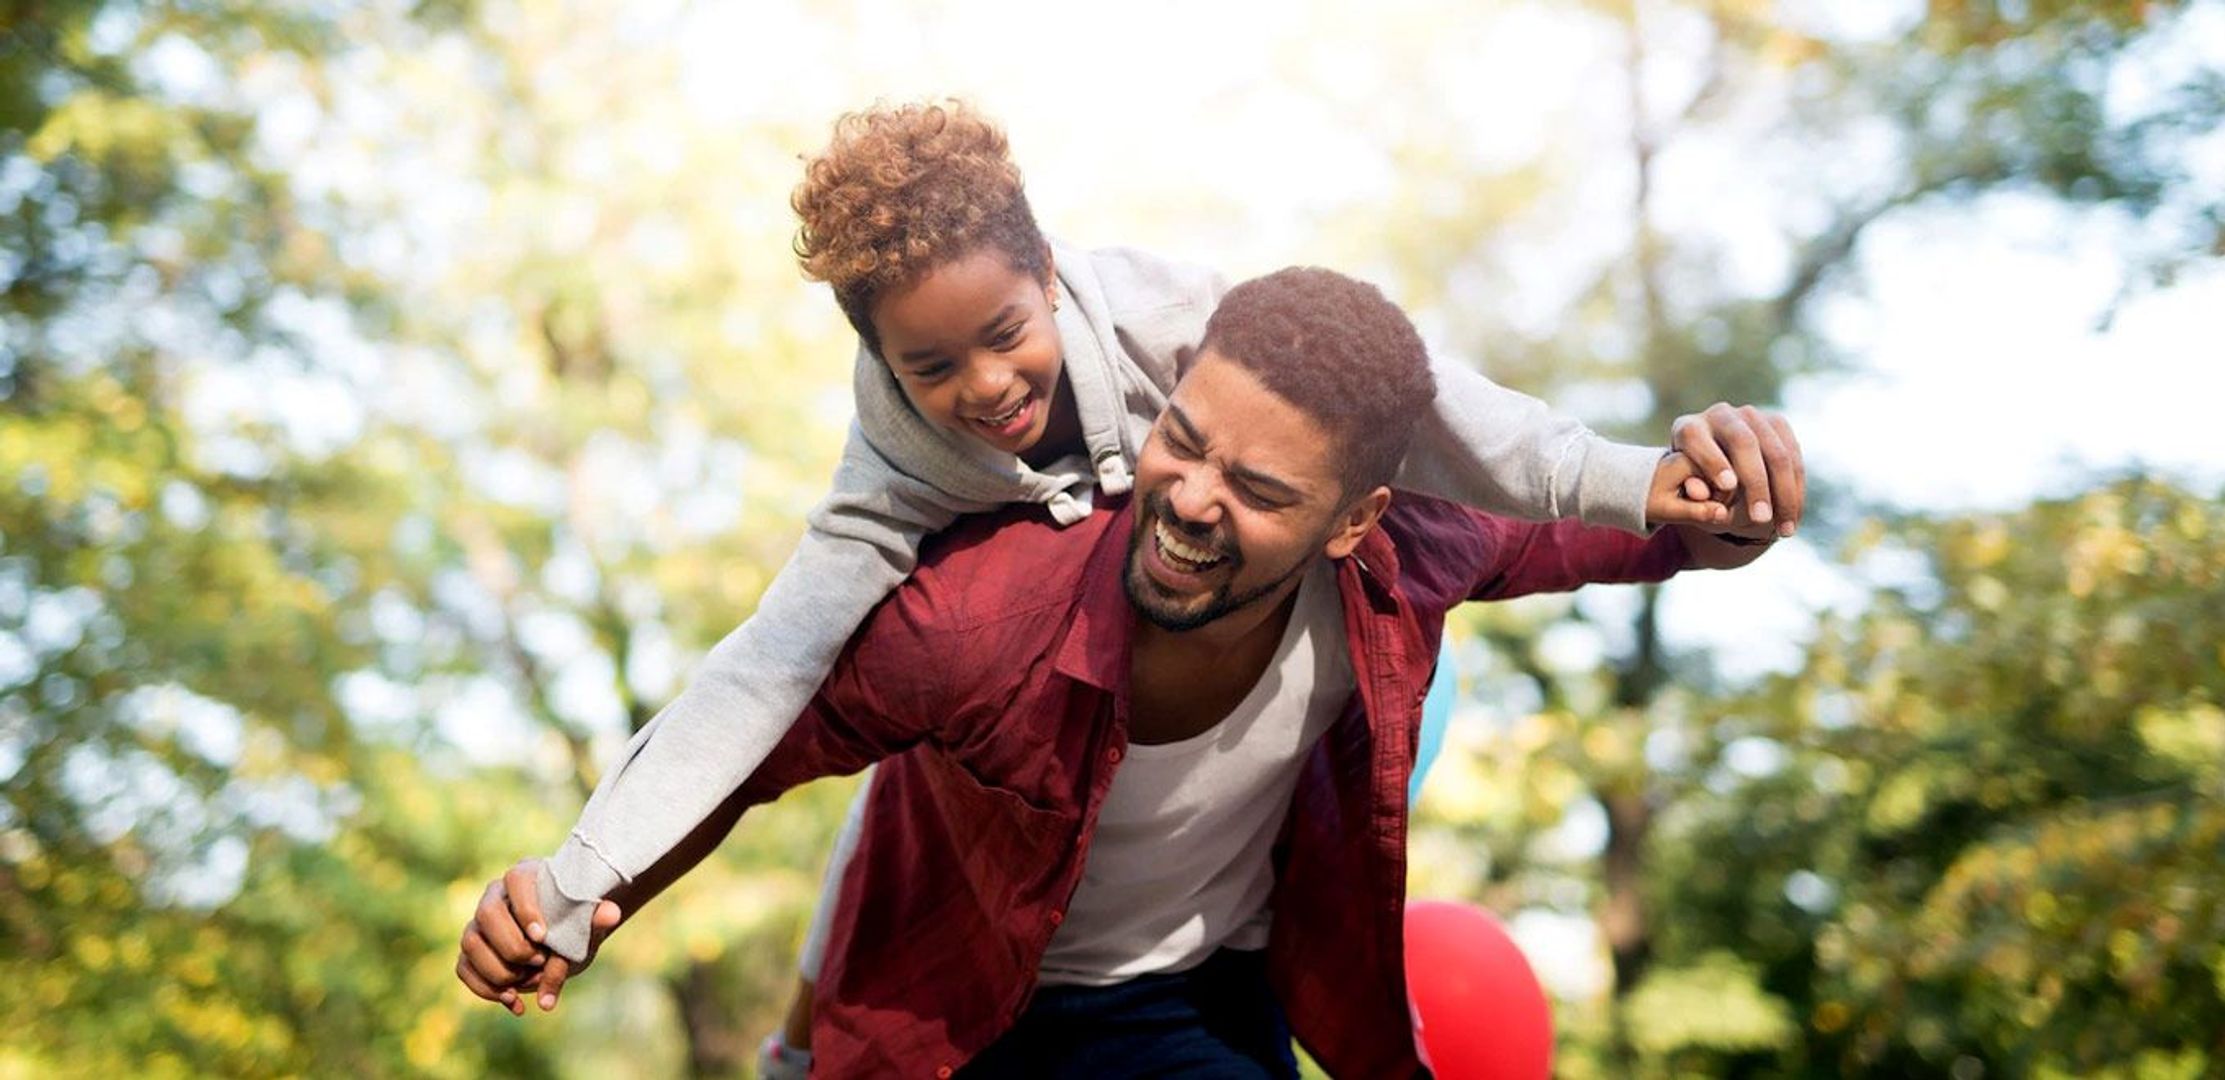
(1791, 511)
(522, 883)
(502, 931)
(1734, 429)
(1696, 438)
(1784, 493)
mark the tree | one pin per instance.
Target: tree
(205, 864)
(1661, 309)
(1991, 842)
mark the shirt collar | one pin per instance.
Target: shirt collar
(1099, 641)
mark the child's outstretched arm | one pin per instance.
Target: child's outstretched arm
(1483, 445)
(862, 542)
(1495, 449)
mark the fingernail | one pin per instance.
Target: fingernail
(1726, 479)
(548, 1002)
(1786, 529)
(538, 959)
(1761, 511)
(509, 997)
(533, 930)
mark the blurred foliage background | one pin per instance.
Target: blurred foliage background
(396, 398)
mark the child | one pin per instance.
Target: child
(997, 367)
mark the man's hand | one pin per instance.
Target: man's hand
(502, 954)
(1731, 544)
(1727, 450)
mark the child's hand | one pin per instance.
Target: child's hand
(1725, 450)
(501, 953)
(1679, 497)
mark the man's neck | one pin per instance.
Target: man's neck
(1182, 683)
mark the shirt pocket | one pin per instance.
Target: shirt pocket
(1009, 849)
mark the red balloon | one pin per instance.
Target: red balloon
(1479, 1012)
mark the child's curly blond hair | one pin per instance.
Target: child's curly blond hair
(904, 189)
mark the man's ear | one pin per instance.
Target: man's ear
(1355, 521)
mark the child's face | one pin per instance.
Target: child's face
(976, 349)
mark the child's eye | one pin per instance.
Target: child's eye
(931, 372)
(1006, 338)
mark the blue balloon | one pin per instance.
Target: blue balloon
(1436, 713)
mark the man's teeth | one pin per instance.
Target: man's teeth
(1198, 558)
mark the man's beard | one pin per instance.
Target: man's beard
(1148, 596)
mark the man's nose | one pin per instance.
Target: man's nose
(1195, 500)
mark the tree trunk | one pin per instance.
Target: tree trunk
(719, 1043)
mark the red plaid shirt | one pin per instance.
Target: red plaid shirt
(995, 685)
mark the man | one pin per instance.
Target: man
(1143, 780)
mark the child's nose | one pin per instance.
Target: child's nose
(987, 383)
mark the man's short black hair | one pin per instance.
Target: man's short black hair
(1338, 350)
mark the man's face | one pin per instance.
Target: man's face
(975, 347)
(1237, 491)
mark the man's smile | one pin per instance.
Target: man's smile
(1183, 556)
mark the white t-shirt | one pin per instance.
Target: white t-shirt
(1180, 864)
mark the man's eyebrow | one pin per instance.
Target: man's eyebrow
(1004, 313)
(1271, 486)
(1182, 420)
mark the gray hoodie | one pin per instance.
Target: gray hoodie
(1130, 324)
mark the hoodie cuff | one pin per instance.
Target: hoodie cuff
(1612, 482)
(570, 884)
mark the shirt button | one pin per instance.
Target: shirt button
(1113, 755)
(943, 1073)
(1057, 917)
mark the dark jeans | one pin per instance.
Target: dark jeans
(1216, 1019)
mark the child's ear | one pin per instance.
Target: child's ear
(1050, 277)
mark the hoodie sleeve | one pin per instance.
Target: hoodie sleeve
(1483, 446)
(1494, 449)
(862, 542)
